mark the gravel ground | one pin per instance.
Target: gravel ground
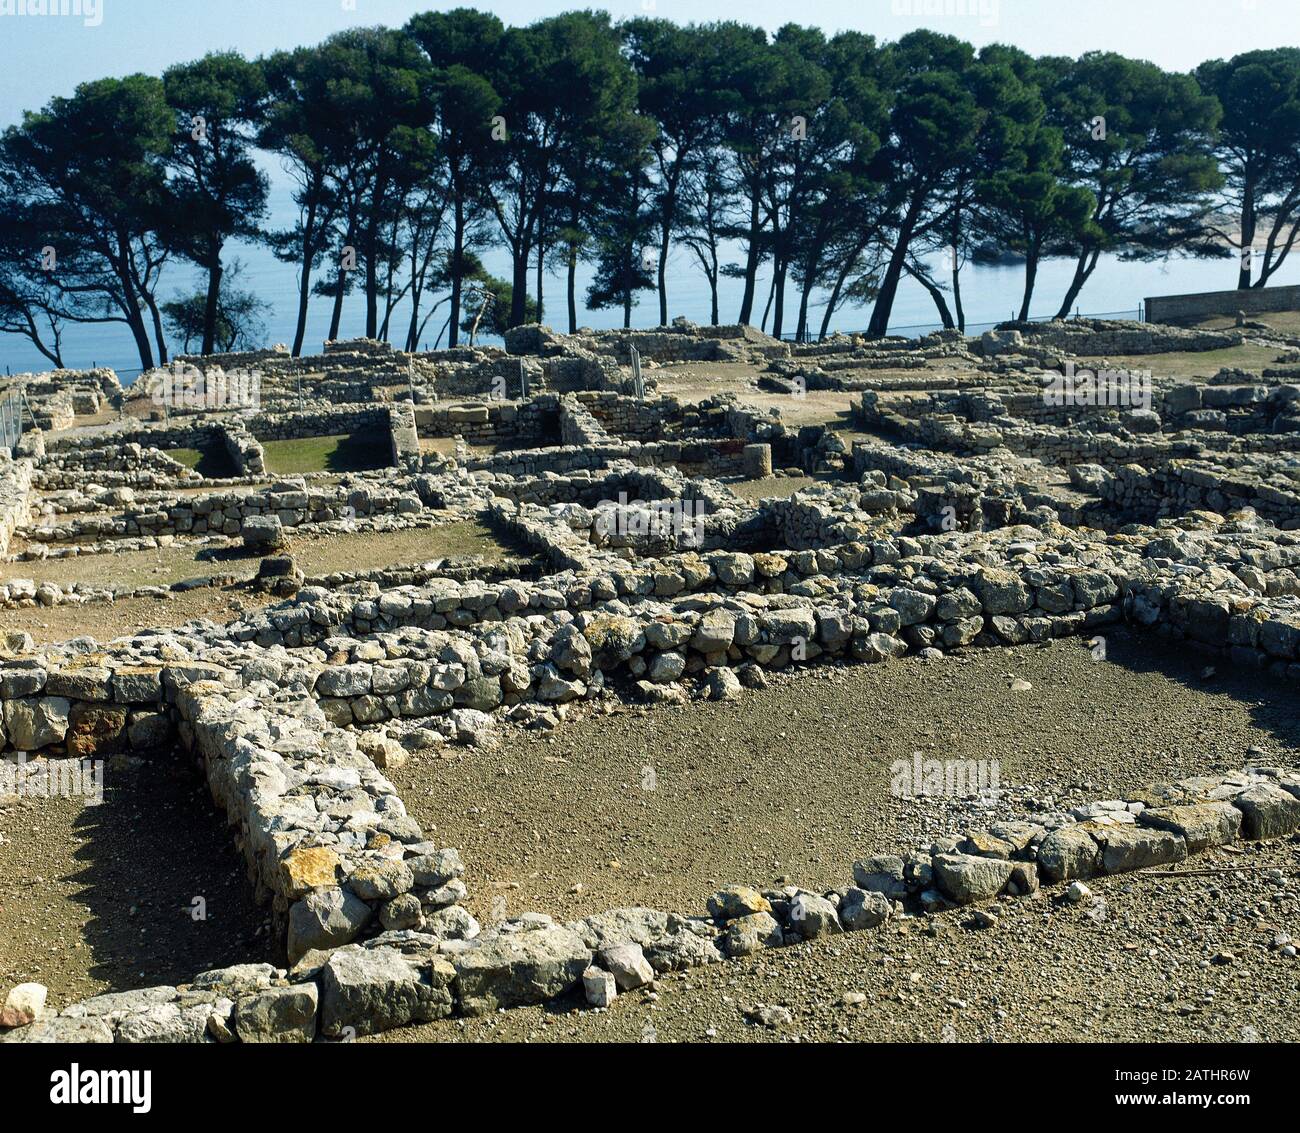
(785, 785)
(791, 784)
(105, 621)
(98, 898)
(1146, 959)
(771, 486)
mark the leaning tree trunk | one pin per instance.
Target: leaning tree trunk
(940, 303)
(879, 324)
(751, 261)
(1082, 270)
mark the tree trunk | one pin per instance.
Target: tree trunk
(940, 303)
(751, 259)
(666, 214)
(211, 301)
(1083, 268)
(572, 286)
(665, 234)
(519, 283)
(955, 246)
(627, 294)
(131, 303)
(1248, 224)
(159, 334)
(778, 288)
(801, 327)
(372, 287)
(811, 269)
(457, 266)
(340, 277)
(834, 300)
(1031, 274)
(304, 277)
(417, 293)
(336, 313)
(840, 281)
(879, 324)
(33, 335)
(541, 271)
(135, 320)
(956, 296)
(780, 265)
(304, 298)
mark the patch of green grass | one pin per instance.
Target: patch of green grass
(1199, 364)
(348, 452)
(1285, 322)
(214, 464)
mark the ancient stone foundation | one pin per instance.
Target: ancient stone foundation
(966, 513)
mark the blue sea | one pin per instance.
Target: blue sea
(990, 294)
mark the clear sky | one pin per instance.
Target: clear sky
(42, 56)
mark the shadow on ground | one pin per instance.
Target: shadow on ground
(165, 888)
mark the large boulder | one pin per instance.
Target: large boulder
(1126, 848)
(278, 1015)
(860, 909)
(325, 918)
(1200, 825)
(967, 878)
(1001, 591)
(1069, 852)
(628, 965)
(23, 1005)
(514, 968)
(812, 915)
(715, 632)
(1267, 811)
(737, 901)
(367, 990)
(749, 934)
(262, 534)
(36, 722)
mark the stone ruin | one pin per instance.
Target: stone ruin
(964, 512)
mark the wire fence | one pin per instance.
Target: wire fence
(120, 371)
(128, 374)
(918, 330)
(11, 419)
